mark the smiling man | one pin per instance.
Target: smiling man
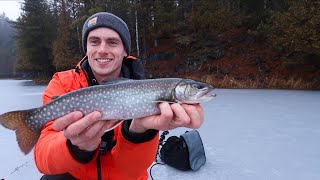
(78, 147)
(105, 53)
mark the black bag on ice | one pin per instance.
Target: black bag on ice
(185, 152)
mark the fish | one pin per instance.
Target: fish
(117, 99)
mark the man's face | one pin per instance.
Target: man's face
(105, 52)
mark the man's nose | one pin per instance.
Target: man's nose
(103, 48)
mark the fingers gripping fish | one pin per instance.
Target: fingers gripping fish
(118, 99)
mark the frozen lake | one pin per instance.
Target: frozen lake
(15, 95)
(247, 134)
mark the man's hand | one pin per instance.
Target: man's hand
(172, 116)
(83, 131)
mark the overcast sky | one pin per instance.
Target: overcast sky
(11, 8)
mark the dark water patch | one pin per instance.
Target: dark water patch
(28, 83)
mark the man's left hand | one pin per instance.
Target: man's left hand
(171, 116)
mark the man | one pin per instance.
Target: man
(76, 146)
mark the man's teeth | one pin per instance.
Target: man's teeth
(103, 60)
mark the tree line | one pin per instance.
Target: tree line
(7, 47)
(48, 33)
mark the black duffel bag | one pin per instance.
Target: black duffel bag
(185, 152)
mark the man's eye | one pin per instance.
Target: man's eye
(113, 43)
(94, 42)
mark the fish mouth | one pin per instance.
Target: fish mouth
(206, 95)
(210, 93)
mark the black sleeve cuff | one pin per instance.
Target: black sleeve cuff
(80, 155)
(137, 137)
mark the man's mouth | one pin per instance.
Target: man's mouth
(104, 60)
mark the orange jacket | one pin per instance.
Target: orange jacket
(125, 161)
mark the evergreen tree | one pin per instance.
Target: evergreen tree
(164, 18)
(296, 30)
(35, 32)
(7, 47)
(65, 49)
(144, 17)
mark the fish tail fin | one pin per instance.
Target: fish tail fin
(17, 121)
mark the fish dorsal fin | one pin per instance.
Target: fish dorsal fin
(115, 81)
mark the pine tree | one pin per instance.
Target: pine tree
(7, 47)
(35, 33)
(65, 50)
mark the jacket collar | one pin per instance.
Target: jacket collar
(83, 69)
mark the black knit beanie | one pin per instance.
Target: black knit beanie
(108, 20)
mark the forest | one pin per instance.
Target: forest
(7, 47)
(242, 43)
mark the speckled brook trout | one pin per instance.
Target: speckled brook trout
(120, 99)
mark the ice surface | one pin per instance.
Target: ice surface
(15, 95)
(247, 135)
(257, 135)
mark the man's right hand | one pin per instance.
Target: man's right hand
(83, 131)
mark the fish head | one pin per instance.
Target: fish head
(193, 92)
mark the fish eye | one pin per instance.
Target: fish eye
(197, 86)
(200, 87)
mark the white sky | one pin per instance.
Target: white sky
(11, 8)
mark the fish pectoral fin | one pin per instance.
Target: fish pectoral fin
(114, 125)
